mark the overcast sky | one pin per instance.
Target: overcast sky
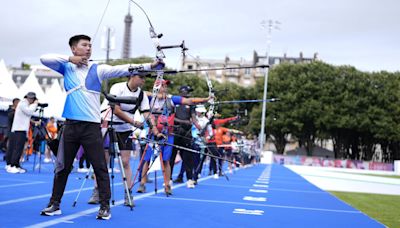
(361, 33)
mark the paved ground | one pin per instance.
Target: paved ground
(256, 196)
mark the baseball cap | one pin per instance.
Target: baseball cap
(163, 81)
(30, 95)
(185, 88)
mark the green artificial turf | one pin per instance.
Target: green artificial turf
(384, 208)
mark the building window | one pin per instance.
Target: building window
(247, 71)
(190, 67)
(277, 61)
(44, 81)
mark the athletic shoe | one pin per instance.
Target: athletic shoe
(126, 203)
(104, 213)
(216, 176)
(141, 189)
(83, 170)
(178, 180)
(190, 184)
(7, 167)
(21, 170)
(168, 190)
(47, 160)
(12, 169)
(51, 209)
(116, 170)
(94, 199)
(170, 183)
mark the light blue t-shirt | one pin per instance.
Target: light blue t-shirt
(83, 85)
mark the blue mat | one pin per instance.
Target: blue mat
(257, 196)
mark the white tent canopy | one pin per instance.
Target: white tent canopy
(55, 96)
(31, 84)
(8, 89)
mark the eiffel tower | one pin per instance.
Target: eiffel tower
(126, 45)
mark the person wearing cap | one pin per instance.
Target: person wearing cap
(185, 116)
(124, 123)
(82, 83)
(198, 144)
(162, 107)
(22, 117)
(212, 137)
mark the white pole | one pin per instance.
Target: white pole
(271, 25)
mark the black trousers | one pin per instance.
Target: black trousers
(187, 157)
(15, 147)
(212, 150)
(88, 135)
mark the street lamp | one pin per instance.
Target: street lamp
(271, 25)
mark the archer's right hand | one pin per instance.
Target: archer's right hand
(160, 136)
(79, 60)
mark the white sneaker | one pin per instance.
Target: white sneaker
(170, 183)
(190, 184)
(7, 167)
(116, 170)
(230, 171)
(47, 160)
(12, 169)
(21, 170)
(216, 176)
(83, 170)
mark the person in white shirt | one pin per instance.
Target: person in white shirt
(124, 123)
(19, 129)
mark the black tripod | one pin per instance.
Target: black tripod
(114, 151)
(39, 136)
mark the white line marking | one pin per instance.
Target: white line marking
(43, 196)
(260, 185)
(21, 184)
(261, 205)
(258, 190)
(247, 212)
(257, 199)
(269, 189)
(95, 209)
(15, 179)
(262, 182)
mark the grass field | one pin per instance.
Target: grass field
(384, 208)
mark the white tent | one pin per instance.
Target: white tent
(55, 96)
(8, 89)
(31, 84)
